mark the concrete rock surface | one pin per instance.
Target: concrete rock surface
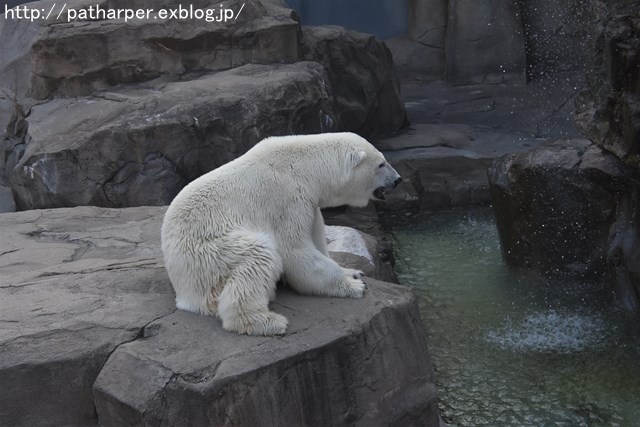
(446, 165)
(119, 113)
(140, 146)
(44, 58)
(608, 111)
(90, 334)
(362, 76)
(340, 363)
(568, 207)
(484, 42)
(75, 284)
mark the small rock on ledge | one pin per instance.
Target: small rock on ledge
(91, 336)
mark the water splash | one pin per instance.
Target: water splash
(511, 347)
(552, 331)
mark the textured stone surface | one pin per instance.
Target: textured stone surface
(445, 165)
(155, 110)
(541, 109)
(608, 112)
(568, 207)
(75, 284)
(416, 61)
(456, 133)
(420, 53)
(362, 77)
(141, 146)
(428, 22)
(367, 221)
(341, 362)
(556, 36)
(84, 296)
(61, 58)
(484, 42)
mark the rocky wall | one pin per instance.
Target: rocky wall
(572, 206)
(608, 111)
(113, 113)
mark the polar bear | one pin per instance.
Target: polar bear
(231, 234)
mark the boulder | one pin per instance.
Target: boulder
(445, 165)
(569, 207)
(76, 283)
(484, 42)
(608, 111)
(140, 146)
(340, 363)
(362, 77)
(366, 220)
(348, 246)
(54, 57)
(91, 336)
(117, 113)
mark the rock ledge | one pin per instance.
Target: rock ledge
(91, 336)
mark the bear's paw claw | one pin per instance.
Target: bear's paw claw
(356, 288)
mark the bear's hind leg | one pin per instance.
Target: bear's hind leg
(243, 304)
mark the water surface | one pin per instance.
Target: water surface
(511, 348)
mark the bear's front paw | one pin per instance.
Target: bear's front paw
(266, 324)
(355, 288)
(350, 272)
(276, 324)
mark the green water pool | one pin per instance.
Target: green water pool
(511, 348)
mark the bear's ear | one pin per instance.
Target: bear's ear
(356, 158)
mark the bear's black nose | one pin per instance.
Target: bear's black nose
(396, 182)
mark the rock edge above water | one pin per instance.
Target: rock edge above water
(84, 296)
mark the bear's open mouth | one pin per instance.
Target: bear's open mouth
(378, 193)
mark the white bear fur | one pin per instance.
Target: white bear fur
(231, 234)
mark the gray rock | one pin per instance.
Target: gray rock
(608, 111)
(140, 146)
(367, 221)
(362, 77)
(155, 110)
(419, 54)
(428, 22)
(348, 246)
(445, 165)
(90, 335)
(76, 283)
(556, 36)
(542, 109)
(416, 61)
(568, 207)
(484, 42)
(55, 57)
(7, 204)
(340, 363)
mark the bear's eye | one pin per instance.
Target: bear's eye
(381, 165)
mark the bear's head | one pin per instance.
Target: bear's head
(369, 174)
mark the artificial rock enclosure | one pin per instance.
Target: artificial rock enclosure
(105, 121)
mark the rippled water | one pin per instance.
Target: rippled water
(511, 348)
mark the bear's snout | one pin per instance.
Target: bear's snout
(397, 181)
